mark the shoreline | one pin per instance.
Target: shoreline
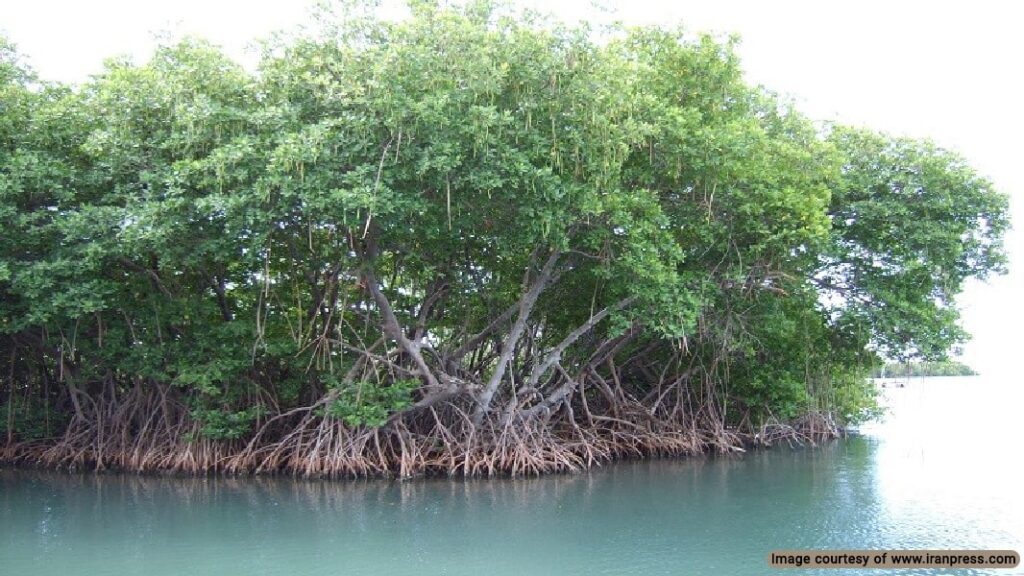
(517, 450)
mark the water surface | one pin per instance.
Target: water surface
(943, 471)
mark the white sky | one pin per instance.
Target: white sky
(942, 70)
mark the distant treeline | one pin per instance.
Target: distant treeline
(923, 369)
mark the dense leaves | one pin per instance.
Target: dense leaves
(469, 209)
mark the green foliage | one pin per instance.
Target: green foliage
(911, 222)
(370, 404)
(856, 397)
(32, 421)
(225, 424)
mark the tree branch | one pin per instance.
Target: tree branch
(526, 303)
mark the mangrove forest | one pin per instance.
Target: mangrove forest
(469, 242)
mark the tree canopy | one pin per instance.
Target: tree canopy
(468, 241)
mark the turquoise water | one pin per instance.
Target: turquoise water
(928, 477)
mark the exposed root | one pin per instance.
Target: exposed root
(809, 429)
(151, 433)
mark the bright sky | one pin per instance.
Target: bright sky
(941, 70)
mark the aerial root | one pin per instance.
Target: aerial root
(147, 433)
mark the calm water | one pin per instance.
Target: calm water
(944, 471)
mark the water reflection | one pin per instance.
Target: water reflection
(897, 487)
